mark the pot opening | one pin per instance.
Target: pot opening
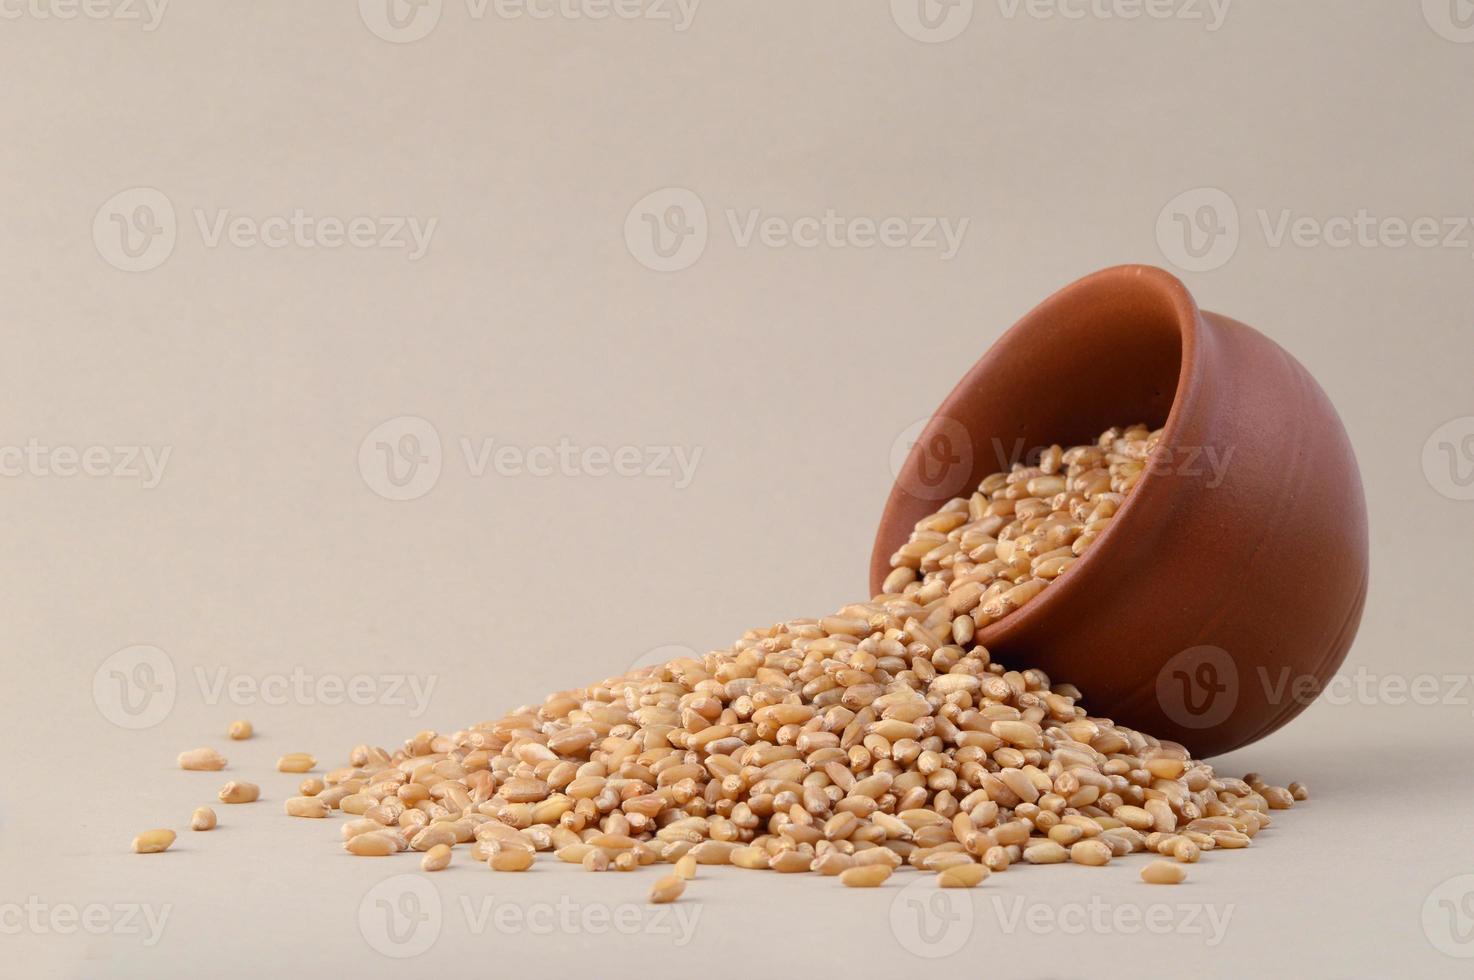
(1106, 351)
(1104, 355)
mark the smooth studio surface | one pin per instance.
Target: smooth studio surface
(364, 375)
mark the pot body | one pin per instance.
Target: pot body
(1229, 586)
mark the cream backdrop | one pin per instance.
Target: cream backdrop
(375, 367)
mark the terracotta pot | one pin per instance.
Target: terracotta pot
(1230, 584)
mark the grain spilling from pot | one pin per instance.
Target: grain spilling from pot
(853, 745)
(981, 558)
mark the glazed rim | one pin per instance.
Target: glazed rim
(1173, 298)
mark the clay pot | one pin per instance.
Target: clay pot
(1230, 584)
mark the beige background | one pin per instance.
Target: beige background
(265, 548)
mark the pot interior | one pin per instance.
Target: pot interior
(1105, 351)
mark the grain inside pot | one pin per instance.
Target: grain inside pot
(981, 558)
(854, 745)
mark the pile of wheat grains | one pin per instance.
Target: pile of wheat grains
(850, 745)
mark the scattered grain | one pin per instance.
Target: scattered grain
(511, 859)
(962, 876)
(306, 806)
(866, 876)
(295, 762)
(436, 858)
(153, 841)
(237, 791)
(667, 889)
(202, 760)
(1163, 873)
